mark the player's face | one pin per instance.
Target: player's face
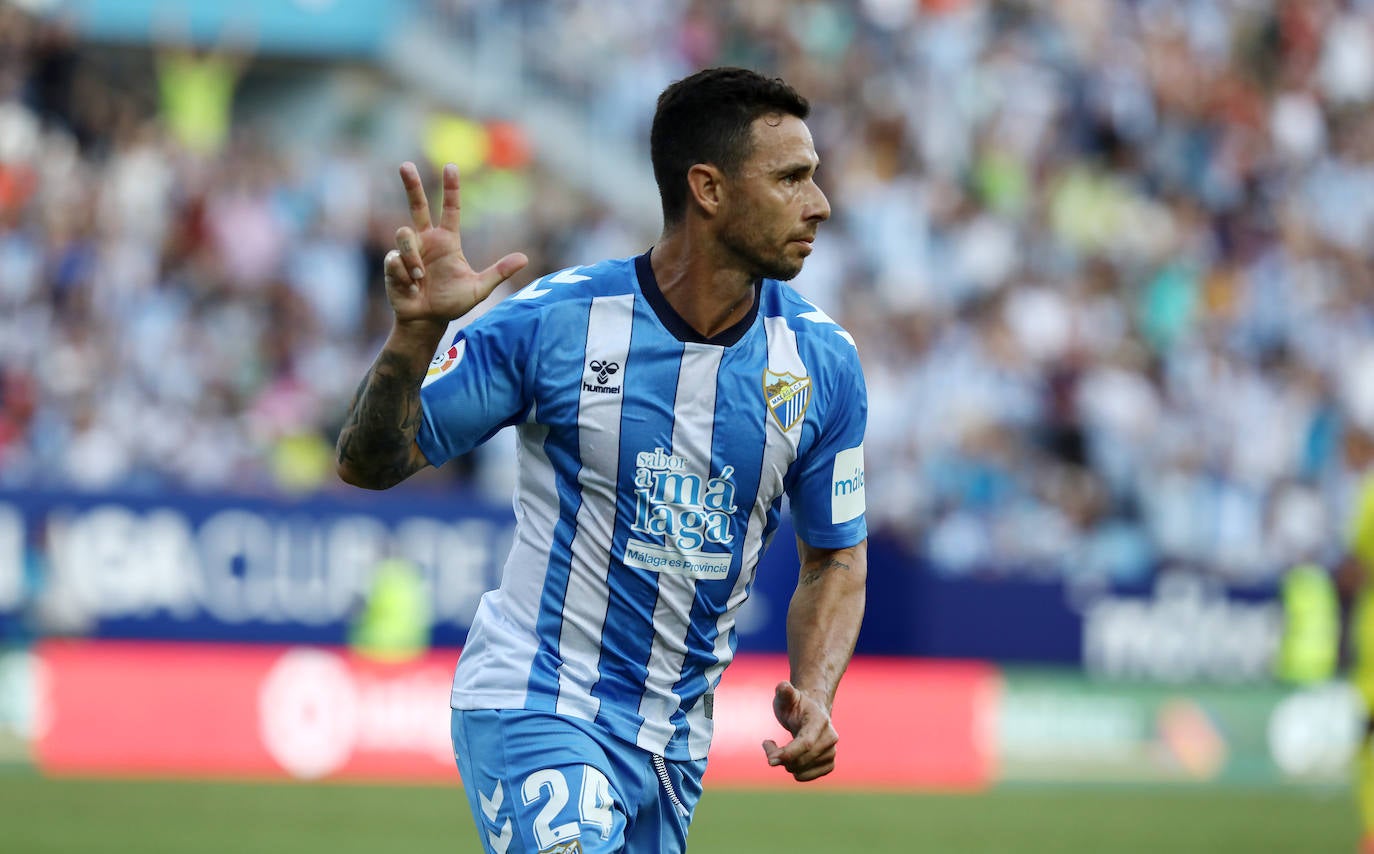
(774, 206)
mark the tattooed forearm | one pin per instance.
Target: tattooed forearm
(814, 574)
(377, 443)
(824, 616)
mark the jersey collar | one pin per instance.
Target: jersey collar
(674, 323)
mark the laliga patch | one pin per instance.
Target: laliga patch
(847, 486)
(446, 361)
(787, 396)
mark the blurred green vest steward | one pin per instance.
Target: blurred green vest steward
(394, 624)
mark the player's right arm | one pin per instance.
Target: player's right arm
(428, 283)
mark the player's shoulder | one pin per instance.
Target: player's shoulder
(563, 293)
(814, 328)
(579, 283)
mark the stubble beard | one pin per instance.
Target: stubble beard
(749, 247)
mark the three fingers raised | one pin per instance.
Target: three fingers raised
(404, 266)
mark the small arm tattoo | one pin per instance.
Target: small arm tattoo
(377, 442)
(816, 574)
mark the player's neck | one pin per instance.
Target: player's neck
(700, 286)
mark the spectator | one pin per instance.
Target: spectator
(1107, 262)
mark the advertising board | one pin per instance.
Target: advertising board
(214, 710)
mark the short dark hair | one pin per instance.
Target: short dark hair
(707, 118)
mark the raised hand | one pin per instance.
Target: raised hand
(811, 752)
(428, 279)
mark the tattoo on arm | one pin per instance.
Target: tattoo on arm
(818, 573)
(377, 442)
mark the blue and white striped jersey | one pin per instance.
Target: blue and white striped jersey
(652, 466)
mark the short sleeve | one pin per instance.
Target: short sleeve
(826, 489)
(479, 384)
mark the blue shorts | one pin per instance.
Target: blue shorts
(538, 782)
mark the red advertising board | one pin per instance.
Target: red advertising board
(228, 710)
(903, 723)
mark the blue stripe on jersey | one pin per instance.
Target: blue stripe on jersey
(745, 434)
(646, 423)
(561, 447)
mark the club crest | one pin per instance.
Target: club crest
(787, 396)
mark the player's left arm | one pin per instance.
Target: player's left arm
(826, 490)
(822, 628)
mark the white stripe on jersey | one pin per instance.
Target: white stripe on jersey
(694, 415)
(780, 450)
(490, 665)
(598, 441)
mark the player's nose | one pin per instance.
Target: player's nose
(818, 207)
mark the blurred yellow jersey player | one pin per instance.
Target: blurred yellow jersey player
(1314, 601)
(1354, 582)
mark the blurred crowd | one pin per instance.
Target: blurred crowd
(1106, 262)
(187, 300)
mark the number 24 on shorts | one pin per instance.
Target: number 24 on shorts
(550, 785)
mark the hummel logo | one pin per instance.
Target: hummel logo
(603, 376)
(603, 369)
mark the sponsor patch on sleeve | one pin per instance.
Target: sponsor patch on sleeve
(847, 486)
(445, 361)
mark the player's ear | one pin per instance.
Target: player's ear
(705, 187)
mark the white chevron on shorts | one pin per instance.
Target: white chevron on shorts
(491, 807)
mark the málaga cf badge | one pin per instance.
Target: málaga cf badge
(787, 396)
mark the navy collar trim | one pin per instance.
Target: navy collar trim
(674, 323)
